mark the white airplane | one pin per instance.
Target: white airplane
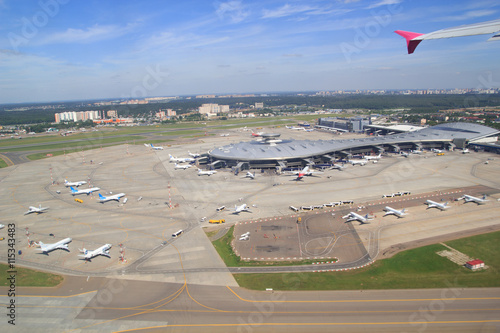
(338, 167)
(102, 251)
(86, 191)
(404, 154)
(360, 162)
(67, 183)
(433, 204)
(296, 128)
(470, 198)
(180, 159)
(206, 172)
(489, 27)
(37, 210)
(352, 216)
(369, 158)
(465, 151)
(243, 238)
(62, 244)
(304, 172)
(241, 208)
(224, 134)
(156, 148)
(249, 175)
(398, 213)
(193, 155)
(183, 167)
(437, 150)
(115, 197)
(416, 152)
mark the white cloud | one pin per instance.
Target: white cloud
(89, 35)
(286, 10)
(384, 3)
(233, 9)
(469, 15)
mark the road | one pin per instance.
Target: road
(105, 305)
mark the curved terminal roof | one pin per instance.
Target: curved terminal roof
(293, 149)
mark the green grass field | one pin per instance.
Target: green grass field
(29, 278)
(416, 268)
(3, 164)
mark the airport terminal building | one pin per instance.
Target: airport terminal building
(272, 152)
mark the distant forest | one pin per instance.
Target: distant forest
(376, 103)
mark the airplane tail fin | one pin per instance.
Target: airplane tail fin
(101, 196)
(484, 196)
(72, 189)
(409, 36)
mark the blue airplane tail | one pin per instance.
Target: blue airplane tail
(101, 196)
(72, 189)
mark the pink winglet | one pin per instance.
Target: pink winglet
(412, 44)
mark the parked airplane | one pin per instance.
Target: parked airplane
(470, 198)
(255, 135)
(465, 151)
(437, 150)
(156, 148)
(183, 167)
(103, 251)
(249, 175)
(304, 172)
(115, 197)
(67, 183)
(37, 210)
(489, 27)
(369, 158)
(296, 128)
(193, 155)
(360, 162)
(416, 152)
(404, 154)
(433, 204)
(180, 159)
(62, 244)
(206, 172)
(338, 167)
(86, 191)
(398, 213)
(352, 216)
(241, 208)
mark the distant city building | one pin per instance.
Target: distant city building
(213, 109)
(205, 96)
(76, 116)
(112, 114)
(259, 105)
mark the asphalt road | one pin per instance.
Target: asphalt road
(105, 305)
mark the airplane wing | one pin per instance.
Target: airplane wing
(489, 27)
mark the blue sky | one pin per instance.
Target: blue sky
(53, 50)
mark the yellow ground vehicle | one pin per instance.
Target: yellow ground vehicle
(440, 154)
(217, 221)
(79, 200)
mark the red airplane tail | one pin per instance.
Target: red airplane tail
(409, 36)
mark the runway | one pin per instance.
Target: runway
(101, 304)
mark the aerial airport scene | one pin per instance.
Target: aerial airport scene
(252, 212)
